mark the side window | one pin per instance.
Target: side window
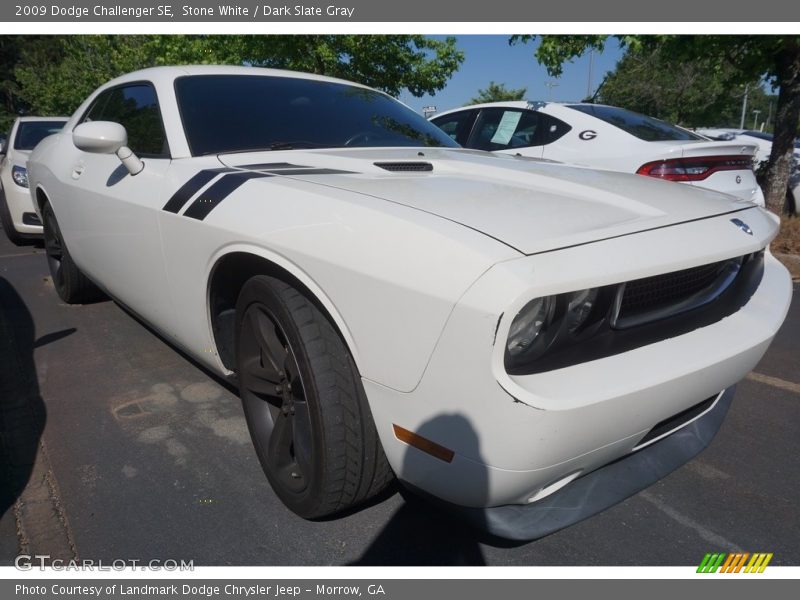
(506, 128)
(457, 125)
(135, 107)
(96, 110)
(552, 129)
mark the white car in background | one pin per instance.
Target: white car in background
(605, 137)
(528, 342)
(764, 142)
(19, 219)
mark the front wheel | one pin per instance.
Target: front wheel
(72, 286)
(305, 406)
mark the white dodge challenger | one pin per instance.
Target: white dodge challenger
(527, 343)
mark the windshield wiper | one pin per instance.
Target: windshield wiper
(297, 145)
(293, 145)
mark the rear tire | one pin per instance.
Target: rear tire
(72, 286)
(306, 409)
(8, 225)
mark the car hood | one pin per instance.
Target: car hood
(530, 205)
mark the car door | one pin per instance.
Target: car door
(110, 217)
(507, 130)
(457, 125)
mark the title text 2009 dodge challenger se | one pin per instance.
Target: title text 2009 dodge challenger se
(529, 342)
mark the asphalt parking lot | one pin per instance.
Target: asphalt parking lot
(118, 447)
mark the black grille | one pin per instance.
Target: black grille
(405, 167)
(676, 421)
(30, 218)
(668, 294)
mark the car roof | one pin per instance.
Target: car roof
(165, 74)
(33, 119)
(529, 104)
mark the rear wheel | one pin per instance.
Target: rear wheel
(305, 406)
(72, 286)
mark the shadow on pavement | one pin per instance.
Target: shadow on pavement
(22, 411)
(420, 533)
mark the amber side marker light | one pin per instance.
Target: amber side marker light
(424, 444)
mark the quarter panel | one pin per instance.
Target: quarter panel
(389, 274)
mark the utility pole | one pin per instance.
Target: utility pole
(550, 85)
(744, 105)
(591, 65)
(769, 115)
(755, 118)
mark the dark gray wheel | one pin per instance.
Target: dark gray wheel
(72, 286)
(8, 225)
(304, 402)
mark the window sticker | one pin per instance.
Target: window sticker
(507, 127)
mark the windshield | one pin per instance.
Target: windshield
(30, 133)
(644, 128)
(238, 113)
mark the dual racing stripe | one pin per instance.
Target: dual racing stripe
(231, 180)
(191, 187)
(218, 191)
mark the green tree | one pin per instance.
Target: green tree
(775, 58)
(692, 93)
(55, 74)
(497, 92)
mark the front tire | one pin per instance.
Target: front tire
(72, 286)
(305, 406)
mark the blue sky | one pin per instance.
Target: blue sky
(490, 58)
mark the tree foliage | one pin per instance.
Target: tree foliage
(692, 93)
(750, 58)
(55, 74)
(497, 92)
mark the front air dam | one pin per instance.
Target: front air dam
(603, 487)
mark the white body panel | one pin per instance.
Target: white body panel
(423, 274)
(18, 198)
(612, 148)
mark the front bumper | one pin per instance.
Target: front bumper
(519, 439)
(604, 487)
(20, 208)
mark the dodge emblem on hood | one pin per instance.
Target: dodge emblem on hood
(742, 225)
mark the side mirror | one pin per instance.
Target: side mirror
(100, 137)
(105, 137)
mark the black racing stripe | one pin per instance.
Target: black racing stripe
(312, 172)
(277, 165)
(217, 192)
(190, 188)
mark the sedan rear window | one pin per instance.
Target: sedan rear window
(32, 132)
(239, 113)
(644, 128)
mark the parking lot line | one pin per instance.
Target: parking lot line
(706, 534)
(789, 386)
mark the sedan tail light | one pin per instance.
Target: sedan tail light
(694, 168)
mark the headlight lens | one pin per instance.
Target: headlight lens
(20, 176)
(579, 308)
(527, 325)
(552, 323)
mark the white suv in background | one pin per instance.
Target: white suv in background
(17, 215)
(605, 137)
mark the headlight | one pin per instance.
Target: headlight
(20, 176)
(528, 324)
(552, 323)
(579, 308)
